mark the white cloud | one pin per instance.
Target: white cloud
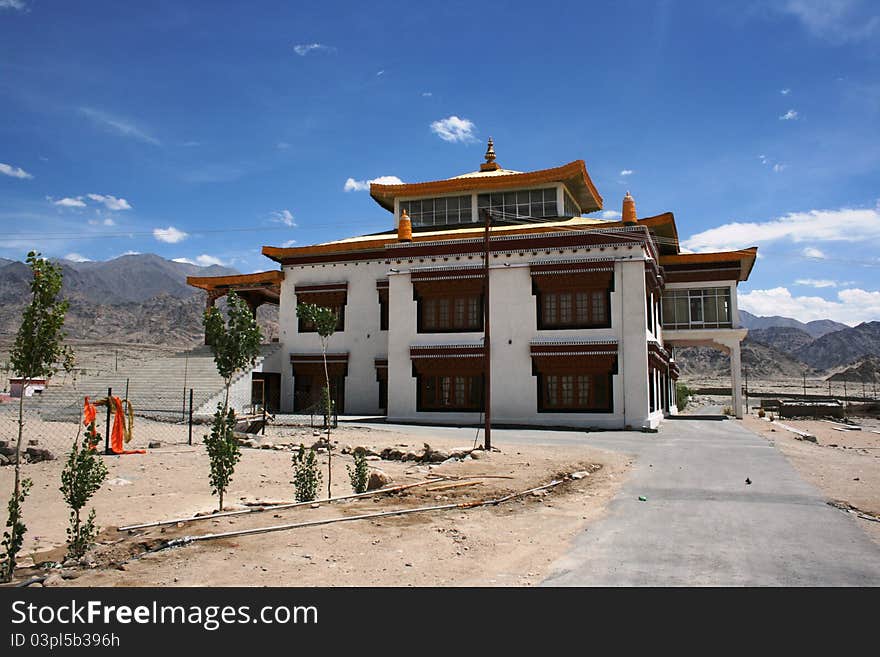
(764, 159)
(816, 282)
(18, 5)
(170, 235)
(843, 225)
(70, 202)
(812, 252)
(130, 253)
(610, 214)
(779, 167)
(352, 185)
(282, 145)
(203, 260)
(380, 73)
(627, 172)
(454, 129)
(111, 202)
(790, 115)
(288, 244)
(76, 257)
(108, 222)
(785, 92)
(118, 125)
(303, 49)
(284, 217)
(837, 21)
(427, 94)
(14, 172)
(851, 306)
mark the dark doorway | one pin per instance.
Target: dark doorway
(268, 383)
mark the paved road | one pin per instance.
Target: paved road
(701, 523)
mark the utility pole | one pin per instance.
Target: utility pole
(747, 391)
(487, 366)
(805, 385)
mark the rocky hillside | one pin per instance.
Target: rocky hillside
(865, 369)
(761, 360)
(817, 328)
(841, 347)
(133, 299)
(785, 339)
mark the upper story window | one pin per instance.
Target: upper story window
(441, 211)
(572, 299)
(571, 208)
(697, 308)
(573, 309)
(529, 203)
(451, 313)
(333, 296)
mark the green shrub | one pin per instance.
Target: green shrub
(682, 394)
(223, 451)
(359, 475)
(14, 536)
(81, 478)
(306, 477)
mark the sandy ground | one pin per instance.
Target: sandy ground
(844, 465)
(509, 544)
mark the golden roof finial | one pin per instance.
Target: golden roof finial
(490, 164)
(629, 209)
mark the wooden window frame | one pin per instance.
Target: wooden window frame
(304, 326)
(429, 383)
(576, 379)
(543, 297)
(449, 301)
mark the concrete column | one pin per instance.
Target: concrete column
(633, 346)
(736, 379)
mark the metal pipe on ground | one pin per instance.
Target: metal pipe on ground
(186, 540)
(277, 507)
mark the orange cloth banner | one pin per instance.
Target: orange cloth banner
(117, 433)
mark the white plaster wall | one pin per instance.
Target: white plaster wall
(239, 394)
(514, 327)
(361, 338)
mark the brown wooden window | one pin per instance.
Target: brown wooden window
(573, 309)
(450, 313)
(452, 392)
(574, 392)
(305, 326)
(383, 308)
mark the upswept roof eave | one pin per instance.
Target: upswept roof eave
(270, 277)
(746, 258)
(384, 195)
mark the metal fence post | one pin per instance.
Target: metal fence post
(263, 429)
(107, 449)
(190, 416)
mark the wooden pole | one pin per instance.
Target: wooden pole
(107, 449)
(487, 365)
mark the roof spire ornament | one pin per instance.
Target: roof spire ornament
(629, 209)
(490, 164)
(404, 228)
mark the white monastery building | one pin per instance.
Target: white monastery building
(584, 313)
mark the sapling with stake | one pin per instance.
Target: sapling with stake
(81, 478)
(324, 321)
(235, 344)
(36, 354)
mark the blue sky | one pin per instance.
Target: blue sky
(204, 130)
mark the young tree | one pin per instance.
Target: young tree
(306, 477)
(324, 320)
(81, 478)
(37, 351)
(235, 344)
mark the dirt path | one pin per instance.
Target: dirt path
(510, 544)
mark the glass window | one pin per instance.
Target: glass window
(441, 211)
(578, 309)
(697, 308)
(524, 204)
